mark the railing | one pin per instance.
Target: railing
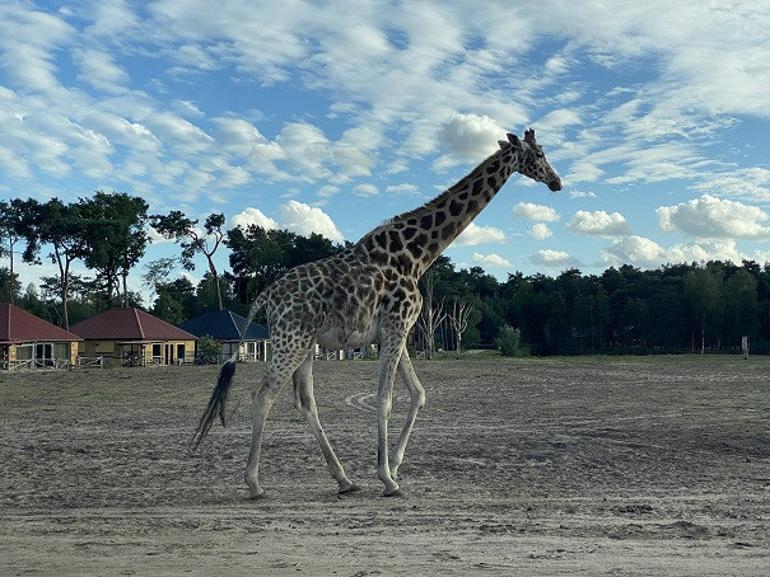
(37, 364)
(344, 354)
(91, 362)
(132, 361)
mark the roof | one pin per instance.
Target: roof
(224, 326)
(129, 324)
(19, 326)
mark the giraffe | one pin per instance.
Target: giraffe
(367, 294)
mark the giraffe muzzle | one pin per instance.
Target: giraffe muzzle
(555, 185)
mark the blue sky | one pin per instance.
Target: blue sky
(334, 116)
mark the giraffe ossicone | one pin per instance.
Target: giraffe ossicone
(367, 294)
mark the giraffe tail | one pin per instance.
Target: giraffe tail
(218, 399)
(216, 404)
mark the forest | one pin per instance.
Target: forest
(676, 308)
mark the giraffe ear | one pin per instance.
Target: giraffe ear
(513, 139)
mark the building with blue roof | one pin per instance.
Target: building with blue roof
(228, 327)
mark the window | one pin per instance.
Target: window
(180, 350)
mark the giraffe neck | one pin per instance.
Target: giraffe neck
(412, 241)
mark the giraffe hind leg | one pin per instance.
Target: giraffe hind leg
(304, 402)
(282, 366)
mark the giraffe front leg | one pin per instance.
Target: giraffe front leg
(304, 402)
(417, 395)
(389, 359)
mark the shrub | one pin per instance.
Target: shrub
(509, 343)
(208, 350)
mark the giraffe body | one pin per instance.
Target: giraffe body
(368, 294)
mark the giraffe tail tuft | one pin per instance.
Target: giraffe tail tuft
(216, 404)
(218, 398)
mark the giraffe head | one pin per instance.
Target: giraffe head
(532, 161)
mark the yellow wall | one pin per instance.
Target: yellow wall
(73, 356)
(113, 352)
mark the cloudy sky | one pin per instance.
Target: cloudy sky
(333, 116)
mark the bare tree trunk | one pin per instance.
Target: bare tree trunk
(10, 254)
(64, 280)
(703, 338)
(430, 317)
(125, 289)
(459, 321)
(214, 274)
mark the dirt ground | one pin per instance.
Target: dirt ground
(600, 466)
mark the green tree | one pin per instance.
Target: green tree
(115, 238)
(15, 222)
(703, 289)
(175, 225)
(509, 343)
(741, 306)
(209, 349)
(259, 256)
(9, 285)
(602, 314)
(61, 226)
(175, 301)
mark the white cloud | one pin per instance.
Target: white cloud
(753, 183)
(646, 253)
(98, 69)
(28, 40)
(636, 250)
(599, 222)
(540, 231)
(469, 137)
(712, 217)
(704, 251)
(328, 190)
(557, 119)
(581, 194)
(492, 260)
(475, 235)
(295, 216)
(366, 190)
(244, 142)
(314, 157)
(305, 219)
(535, 212)
(584, 171)
(183, 134)
(553, 258)
(404, 188)
(186, 107)
(254, 216)
(111, 18)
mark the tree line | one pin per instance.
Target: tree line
(672, 309)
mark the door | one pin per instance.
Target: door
(169, 354)
(44, 354)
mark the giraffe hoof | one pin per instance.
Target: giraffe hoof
(349, 488)
(393, 493)
(256, 496)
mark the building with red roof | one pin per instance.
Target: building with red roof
(27, 341)
(130, 336)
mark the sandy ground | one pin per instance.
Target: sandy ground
(646, 466)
